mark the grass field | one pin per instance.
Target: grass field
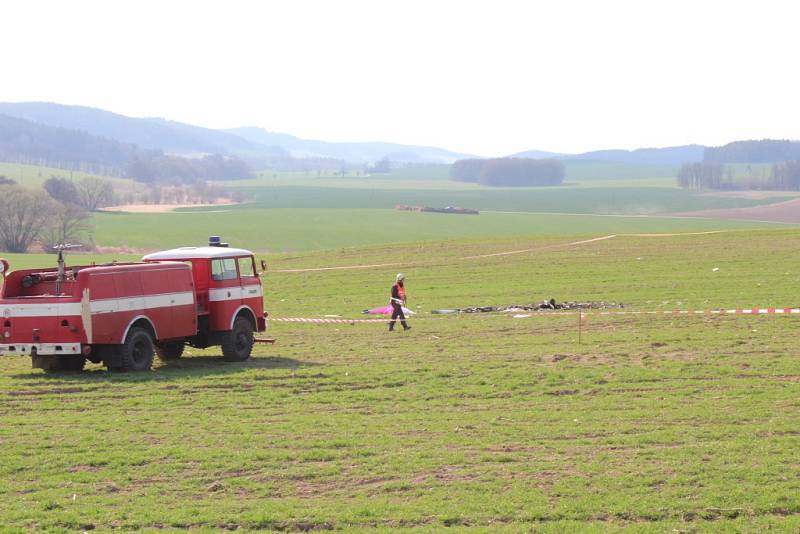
(293, 212)
(590, 187)
(35, 176)
(284, 230)
(616, 200)
(310, 211)
(474, 423)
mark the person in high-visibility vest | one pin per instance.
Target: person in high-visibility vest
(397, 301)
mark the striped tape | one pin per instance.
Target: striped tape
(735, 311)
(543, 313)
(325, 321)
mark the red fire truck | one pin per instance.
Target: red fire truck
(121, 314)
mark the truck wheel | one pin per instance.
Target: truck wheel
(238, 343)
(171, 350)
(136, 354)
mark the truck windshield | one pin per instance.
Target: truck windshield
(223, 269)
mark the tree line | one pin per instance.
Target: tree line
(164, 169)
(783, 176)
(701, 175)
(513, 172)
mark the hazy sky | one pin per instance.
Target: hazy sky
(489, 78)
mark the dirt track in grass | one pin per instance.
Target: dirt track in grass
(495, 254)
(507, 253)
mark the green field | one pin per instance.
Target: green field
(35, 176)
(345, 211)
(475, 423)
(581, 198)
(290, 212)
(286, 230)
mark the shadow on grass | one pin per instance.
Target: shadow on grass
(183, 368)
(210, 363)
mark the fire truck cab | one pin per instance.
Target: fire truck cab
(229, 298)
(122, 314)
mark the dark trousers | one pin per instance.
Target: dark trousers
(397, 311)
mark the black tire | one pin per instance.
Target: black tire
(170, 350)
(238, 343)
(136, 354)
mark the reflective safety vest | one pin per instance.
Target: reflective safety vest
(401, 293)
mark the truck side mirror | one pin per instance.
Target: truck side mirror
(263, 265)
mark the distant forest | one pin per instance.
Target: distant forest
(763, 151)
(28, 142)
(717, 171)
(162, 169)
(509, 172)
(23, 141)
(784, 176)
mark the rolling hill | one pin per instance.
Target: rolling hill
(180, 138)
(160, 134)
(24, 141)
(674, 155)
(354, 152)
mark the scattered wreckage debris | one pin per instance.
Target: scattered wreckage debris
(543, 306)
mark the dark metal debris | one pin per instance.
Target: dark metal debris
(542, 306)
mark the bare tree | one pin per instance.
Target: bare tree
(95, 193)
(25, 215)
(702, 175)
(62, 190)
(68, 223)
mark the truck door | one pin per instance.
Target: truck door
(224, 294)
(252, 295)
(201, 276)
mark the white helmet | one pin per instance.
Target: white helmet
(400, 276)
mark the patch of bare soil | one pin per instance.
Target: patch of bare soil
(165, 208)
(447, 473)
(781, 212)
(81, 468)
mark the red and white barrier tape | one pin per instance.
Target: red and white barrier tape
(584, 313)
(735, 311)
(324, 321)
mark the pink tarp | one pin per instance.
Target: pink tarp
(387, 310)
